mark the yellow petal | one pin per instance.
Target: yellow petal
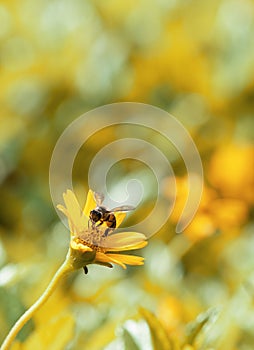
(127, 259)
(120, 216)
(125, 241)
(127, 247)
(101, 257)
(72, 205)
(90, 203)
(77, 221)
(64, 210)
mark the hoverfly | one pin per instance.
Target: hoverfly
(101, 214)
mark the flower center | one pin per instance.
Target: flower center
(93, 238)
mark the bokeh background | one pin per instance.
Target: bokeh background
(194, 59)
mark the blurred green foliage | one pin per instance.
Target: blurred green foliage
(62, 58)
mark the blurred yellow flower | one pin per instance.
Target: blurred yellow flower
(229, 213)
(170, 313)
(188, 347)
(90, 245)
(231, 171)
(202, 226)
(226, 209)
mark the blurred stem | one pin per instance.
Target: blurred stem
(64, 269)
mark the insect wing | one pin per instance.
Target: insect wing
(123, 208)
(99, 198)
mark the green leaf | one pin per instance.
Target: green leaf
(159, 335)
(194, 328)
(129, 342)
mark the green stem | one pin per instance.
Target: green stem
(64, 269)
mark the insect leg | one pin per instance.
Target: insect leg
(92, 223)
(101, 222)
(106, 232)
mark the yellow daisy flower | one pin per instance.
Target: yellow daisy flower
(90, 245)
